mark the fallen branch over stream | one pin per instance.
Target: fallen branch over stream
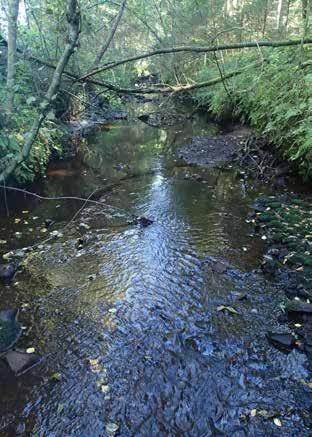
(88, 78)
(194, 49)
(81, 199)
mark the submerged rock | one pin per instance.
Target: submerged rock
(142, 221)
(284, 341)
(21, 362)
(7, 272)
(219, 267)
(10, 329)
(296, 307)
(48, 223)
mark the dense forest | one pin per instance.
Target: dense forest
(155, 218)
(246, 60)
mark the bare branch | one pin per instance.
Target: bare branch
(194, 49)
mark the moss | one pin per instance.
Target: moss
(274, 205)
(301, 259)
(300, 202)
(275, 223)
(265, 217)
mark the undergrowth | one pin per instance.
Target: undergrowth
(273, 95)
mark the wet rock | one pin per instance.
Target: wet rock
(219, 267)
(21, 362)
(20, 429)
(274, 252)
(308, 344)
(283, 342)
(296, 307)
(10, 329)
(48, 223)
(269, 266)
(282, 318)
(80, 243)
(142, 221)
(165, 119)
(280, 182)
(121, 167)
(257, 207)
(7, 272)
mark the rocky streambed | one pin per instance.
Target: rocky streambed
(167, 329)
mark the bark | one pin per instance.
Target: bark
(11, 65)
(73, 20)
(279, 15)
(287, 14)
(304, 9)
(265, 17)
(194, 49)
(107, 43)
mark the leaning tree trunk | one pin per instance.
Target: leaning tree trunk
(73, 20)
(105, 46)
(11, 66)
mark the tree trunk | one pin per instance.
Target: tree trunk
(108, 41)
(279, 15)
(73, 19)
(287, 14)
(304, 9)
(265, 17)
(11, 66)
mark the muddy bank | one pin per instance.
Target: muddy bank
(239, 147)
(216, 150)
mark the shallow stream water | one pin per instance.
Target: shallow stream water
(128, 319)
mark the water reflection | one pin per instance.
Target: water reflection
(144, 315)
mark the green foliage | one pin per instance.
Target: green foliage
(48, 141)
(274, 97)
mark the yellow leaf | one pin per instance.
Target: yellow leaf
(277, 422)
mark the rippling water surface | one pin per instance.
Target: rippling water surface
(128, 323)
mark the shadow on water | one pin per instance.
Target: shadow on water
(130, 323)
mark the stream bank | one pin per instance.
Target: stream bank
(147, 331)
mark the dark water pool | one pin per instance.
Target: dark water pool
(129, 321)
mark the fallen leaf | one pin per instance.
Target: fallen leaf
(56, 377)
(227, 308)
(60, 408)
(105, 388)
(277, 422)
(112, 428)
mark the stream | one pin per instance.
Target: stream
(129, 320)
